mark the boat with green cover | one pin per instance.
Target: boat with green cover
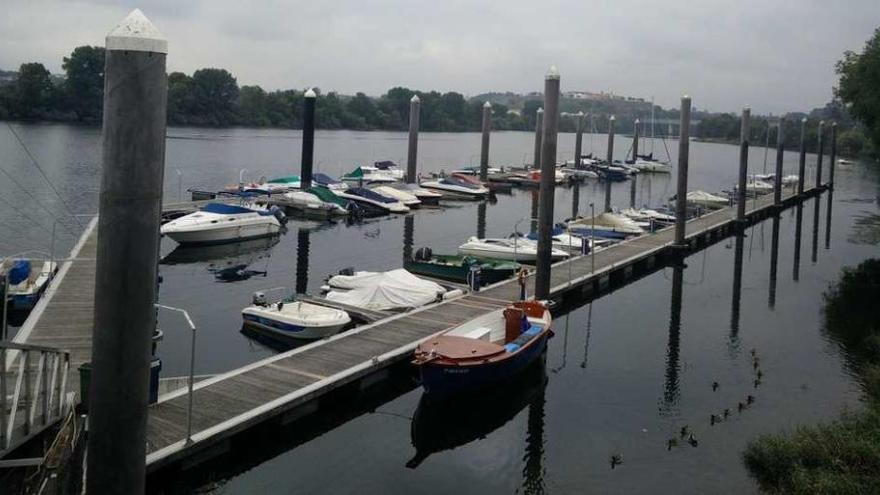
(456, 268)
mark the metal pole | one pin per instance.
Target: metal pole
(821, 152)
(548, 169)
(192, 361)
(302, 261)
(683, 151)
(780, 152)
(609, 158)
(802, 160)
(578, 142)
(413, 150)
(743, 165)
(635, 140)
(127, 254)
(539, 133)
(308, 144)
(833, 158)
(5, 310)
(592, 238)
(484, 149)
(632, 190)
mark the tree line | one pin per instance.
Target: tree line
(212, 97)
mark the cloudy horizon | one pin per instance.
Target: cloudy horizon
(775, 57)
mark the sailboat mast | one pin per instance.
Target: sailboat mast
(652, 125)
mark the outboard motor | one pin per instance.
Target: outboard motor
(348, 271)
(277, 213)
(259, 299)
(423, 254)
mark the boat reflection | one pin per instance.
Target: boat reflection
(774, 261)
(439, 426)
(228, 262)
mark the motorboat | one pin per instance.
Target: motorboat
(485, 350)
(310, 204)
(558, 176)
(294, 319)
(459, 185)
(651, 166)
(410, 200)
(516, 249)
(568, 241)
(372, 201)
(426, 196)
(612, 173)
(390, 168)
(218, 222)
(787, 180)
(844, 161)
(705, 199)
(394, 290)
(458, 268)
(609, 225)
(289, 182)
(322, 179)
(580, 173)
(756, 186)
(26, 279)
(652, 217)
(476, 170)
(371, 175)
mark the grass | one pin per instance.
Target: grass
(842, 457)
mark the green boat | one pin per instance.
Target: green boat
(456, 268)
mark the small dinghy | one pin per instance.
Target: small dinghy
(217, 223)
(26, 281)
(485, 350)
(456, 268)
(372, 200)
(522, 250)
(294, 319)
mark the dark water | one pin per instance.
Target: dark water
(622, 376)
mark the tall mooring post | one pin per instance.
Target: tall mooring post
(802, 158)
(683, 151)
(129, 214)
(743, 165)
(578, 143)
(609, 158)
(484, 148)
(303, 246)
(413, 150)
(539, 134)
(780, 152)
(832, 158)
(820, 152)
(635, 154)
(308, 146)
(548, 170)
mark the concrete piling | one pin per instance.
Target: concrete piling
(833, 158)
(635, 155)
(484, 148)
(820, 152)
(682, 174)
(303, 245)
(539, 134)
(798, 226)
(609, 158)
(133, 163)
(780, 152)
(548, 185)
(578, 143)
(743, 165)
(308, 145)
(774, 262)
(413, 149)
(802, 160)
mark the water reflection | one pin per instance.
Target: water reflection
(828, 219)
(736, 296)
(481, 220)
(438, 426)
(815, 251)
(774, 260)
(632, 191)
(231, 262)
(587, 338)
(671, 385)
(533, 471)
(409, 231)
(799, 219)
(302, 261)
(534, 211)
(575, 198)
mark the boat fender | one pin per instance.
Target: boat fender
(452, 293)
(259, 299)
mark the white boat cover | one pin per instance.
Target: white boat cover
(395, 289)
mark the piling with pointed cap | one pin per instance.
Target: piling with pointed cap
(609, 158)
(548, 175)
(635, 154)
(308, 145)
(780, 152)
(820, 153)
(133, 165)
(578, 143)
(413, 150)
(539, 134)
(802, 159)
(833, 157)
(484, 149)
(682, 173)
(743, 165)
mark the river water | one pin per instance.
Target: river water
(623, 374)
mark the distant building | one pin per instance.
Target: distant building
(600, 96)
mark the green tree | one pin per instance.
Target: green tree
(34, 93)
(252, 107)
(215, 93)
(180, 98)
(84, 86)
(859, 86)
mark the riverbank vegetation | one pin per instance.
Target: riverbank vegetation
(843, 456)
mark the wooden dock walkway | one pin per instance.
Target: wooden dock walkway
(285, 386)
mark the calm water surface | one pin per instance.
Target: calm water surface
(623, 374)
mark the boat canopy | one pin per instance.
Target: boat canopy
(371, 195)
(19, 271)
(385, 165)
(459, 181)
(327, 195)
(285, 180)
(395, 289)
(358, 172)
(324, 179)
(223, 209)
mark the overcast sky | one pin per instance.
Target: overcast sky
(775, 55)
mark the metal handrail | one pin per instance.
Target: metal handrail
(192, 360)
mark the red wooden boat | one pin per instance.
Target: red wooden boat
(485, 350)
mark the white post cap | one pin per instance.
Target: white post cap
(487, 105)
(310, 93)
(136, 33)
(552, 73)
(541, 110)
(414, 99)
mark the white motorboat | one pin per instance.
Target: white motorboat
(426, 196)
(702, 198)
(648, 215)
(521, 249)
(366, 174)
(372, 201)
(393, 290)
(457, 184)
(607, 223)
(844, 161)
(757, 186)
(580, 173)
(321, 179)
(476, 170)
(652, 166)
(410, 200)
(26, 280)
(294, 319)
(390, 168)
(567, 241)
(310, 203)
(216, 223)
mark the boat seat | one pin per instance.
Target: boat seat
(479, 333)
(522, 339)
